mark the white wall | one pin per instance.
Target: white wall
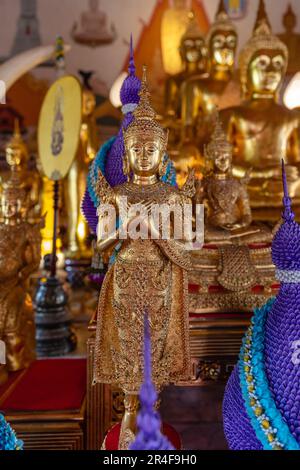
(58, 17)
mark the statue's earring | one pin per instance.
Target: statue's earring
(126, 168)
(163, 166)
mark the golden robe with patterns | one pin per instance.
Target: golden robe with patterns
(147, 276)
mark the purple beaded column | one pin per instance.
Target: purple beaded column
(149, 436)
(110, 157)
(281, 345)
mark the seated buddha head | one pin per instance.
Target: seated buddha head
(13, 200)
(145, 139)
(263, 63)
(222, 42)
(16, 151)
(193, 49)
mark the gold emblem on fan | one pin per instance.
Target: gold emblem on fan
(59, 127)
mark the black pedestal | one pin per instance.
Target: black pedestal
(76, 270)
(54, 336)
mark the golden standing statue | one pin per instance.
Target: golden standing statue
(20, 246)
(148, 275)
(17, 157)
(261, 130)
(76, 180)
(202, 96)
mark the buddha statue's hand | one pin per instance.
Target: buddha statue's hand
(292, 172)
(273, 172)
(234, 226)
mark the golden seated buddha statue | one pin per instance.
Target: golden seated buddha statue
(229, 217)
(261, 130)
(291, 39)
(202, 96)
(194, 56)
(236, 256)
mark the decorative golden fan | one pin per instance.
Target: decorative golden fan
(59, 127)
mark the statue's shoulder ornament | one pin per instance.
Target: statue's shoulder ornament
(104, 191)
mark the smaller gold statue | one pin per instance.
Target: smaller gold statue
(20, 245)
(17, 157)
(291, 40)
(202, 96)
(226, 198)
(261, 130)
(236, 256)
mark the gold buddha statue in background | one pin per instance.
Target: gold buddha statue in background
(17, 157)
(148, 275)
(291, 40)
(236, 256)
(226, 198)
(77, 229)
(261, 130)
(194, 56)
(202, 96)
(20, 248)
(229, 217)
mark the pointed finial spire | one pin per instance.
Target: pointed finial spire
(288, 215)
(144, 109)
(149, 436)
(131, 67)
(289, 19)
(17, 132)
(60, 56)
(193, 30)
(262, 16)
(222, 7)
(218, 142)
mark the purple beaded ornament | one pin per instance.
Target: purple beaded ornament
(281, 347)
(110, 156)
(149, 436)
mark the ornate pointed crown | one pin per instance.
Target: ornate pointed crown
(16, 150)
(218, 142)
(193, 29)
(130, 89)
(14, 192)
(144, 122)
(262, 38)
(222, 23)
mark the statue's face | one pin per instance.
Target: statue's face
(88, 103)
(9, 209)
(195, 51)
(14, 156)
(223, 160)
(266, 72)
(144, 155)
(223, 47)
